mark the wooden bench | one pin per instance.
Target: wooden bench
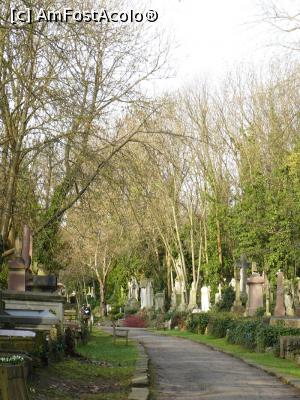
(120, 332)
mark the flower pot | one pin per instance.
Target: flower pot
(13, 382)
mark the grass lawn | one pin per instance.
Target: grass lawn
(277, 364)
(103, 371)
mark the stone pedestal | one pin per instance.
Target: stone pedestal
(31, 301)
(255, 298)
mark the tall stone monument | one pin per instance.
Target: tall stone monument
(280, 308)
(267, 290)
(243, 265)
(133, 295)
(133, 289)
(17, 269)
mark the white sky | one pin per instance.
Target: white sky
(212, 37)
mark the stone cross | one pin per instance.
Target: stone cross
(279, 308)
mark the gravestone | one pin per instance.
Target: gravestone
(182, 305)
(288, 300)
(280, 308)
(44, 283)
(232, 283)
(146, 294)
(218, 295)
(173, 300)
(177, 291)
(255, 297)
(159, 301)
(205, 298)
(193, 297)
(289, 347)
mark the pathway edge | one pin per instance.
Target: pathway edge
(140, 380)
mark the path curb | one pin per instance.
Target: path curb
(140, 380)
(287, 379)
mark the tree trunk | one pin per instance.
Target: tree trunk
(103, 312)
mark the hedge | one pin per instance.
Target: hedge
(268, 336)
(244, 332)
(219, 324)
(252, 333)
(197, 323)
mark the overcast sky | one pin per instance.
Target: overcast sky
(212, 37)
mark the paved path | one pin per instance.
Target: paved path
(190, 371)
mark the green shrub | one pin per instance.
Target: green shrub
(243, 332)
(197, 323)
(178, 319)
(268, 336)
(227, 300)
(260, 312)
(219, 324)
